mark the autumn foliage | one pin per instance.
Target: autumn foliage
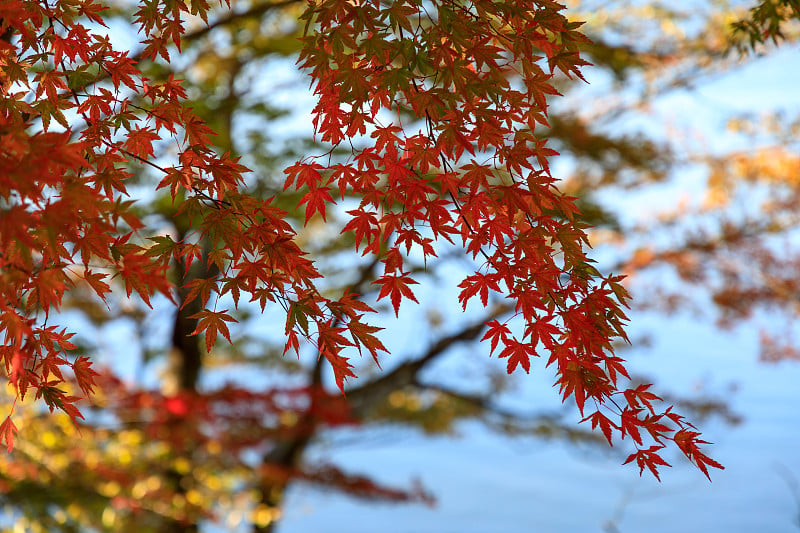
(436, 104)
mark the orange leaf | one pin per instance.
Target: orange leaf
(7, 432)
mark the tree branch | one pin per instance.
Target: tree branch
(255, 11)
(364, 397)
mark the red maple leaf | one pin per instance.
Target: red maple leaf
(688, 442)
(84, 374)
(315, 201)
(212, 322)
(648, 458)
(496, 332)
(605, 424)
(396, 286)
(518, 353)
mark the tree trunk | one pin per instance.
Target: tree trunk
(184, 365)
(286, 455)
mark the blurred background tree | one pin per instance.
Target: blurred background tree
(183, 440)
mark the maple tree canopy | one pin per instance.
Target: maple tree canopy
(436, 103)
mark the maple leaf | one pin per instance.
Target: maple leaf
(55, 398)
(410, 237)
(331, 342)
(641, 396)
(630, 424)
(386, 136)
(518, 353)
(50, 365)
(140, 142)
(212, 322)
(478, 284)
(199, 287)
(496, 332)
(657, 430)
(363, 335)
(84, 375)
(139, 274)
(197, 132)
(48, 289)
(7, 432)
(605, 424)
(292, 343)
(122, 70)
(648, 458)
(365, 226)
(542, 330)
(688, 442)
(315, 201)
(396, 286)
(303, 174)
(95, 281)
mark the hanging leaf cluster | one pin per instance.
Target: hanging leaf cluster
(437, 104)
